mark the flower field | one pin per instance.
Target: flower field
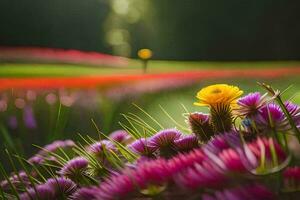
(77, 132)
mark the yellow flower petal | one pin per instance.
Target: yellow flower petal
(218, 94)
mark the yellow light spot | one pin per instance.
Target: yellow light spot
(145, 54)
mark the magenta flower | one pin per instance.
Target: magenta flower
(143, 147)
(55, 146)
(61, 186)
(265, 145)
(165, 137)
(222, 142)
(183, 161)
(206, 174)
(126, 184)
(19, 181)
(100, 147)
(120, 136)
(294, 110)
(43, 192)
(250, 104)
(270, 118)
(291, 177)
(186, 143)
(165, 141)
(116, 187)
(200, 125)
(88, 193)
(153, 172)
(74, 168)
(232, 160)
(36, 160)
(249, 192)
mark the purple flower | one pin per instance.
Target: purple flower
(206, 174)
(121, 186)
(100, 147)
(153, 172)
(87, 193)
(55, 146)
(165, 141)
(116, 187)
(271, 117)
(222, 142)
(266, 145)
(232, 160)
(18, 180)
(61, 186)
(183, 161)
(43, 192)
(120, 136)
(294, 110)
(249, 192)
(250, 104)
(36, 160)
(143, 147)
(186, 143)
(200, 125)
(28, 118)
(74, 168)
(165, 137)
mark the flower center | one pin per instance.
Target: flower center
(216, 91)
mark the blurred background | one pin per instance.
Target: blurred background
(66, 62)
(173, 29)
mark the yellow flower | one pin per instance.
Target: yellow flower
(145, 54)
(214, 95)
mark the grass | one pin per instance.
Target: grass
(134, 67)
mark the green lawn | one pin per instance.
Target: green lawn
(134, 67)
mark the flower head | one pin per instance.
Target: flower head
(61, 186)
(55, 146)
(251, 192)
(18, 180)
(120, 136)
(116, 187)
(294, 110)
(214, 95)
(143, 147)
(74, 168)
(165, 141)
(43, 191)
(200, 125)
(250, 104)
(272, 152)
(98, 148)
(165, 137)
(271, 117)
(85, 193)
(186, 143)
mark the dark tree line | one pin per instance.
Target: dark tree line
(174, 29)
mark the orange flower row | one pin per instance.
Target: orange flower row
(99, 81)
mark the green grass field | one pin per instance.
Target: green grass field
(134, 67)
